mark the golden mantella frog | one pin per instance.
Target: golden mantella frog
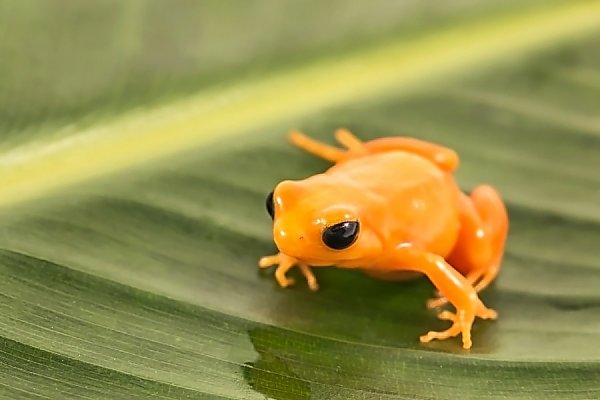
(392, 205)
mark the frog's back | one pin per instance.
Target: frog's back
(421, 199)
(377, 171)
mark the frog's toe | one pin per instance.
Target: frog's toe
(312, 284)
(268, 261)
(453, 331)
(286, 282)
(447, 316)
(311, 280)
(487, 313)
(436, 302)
(282, 279)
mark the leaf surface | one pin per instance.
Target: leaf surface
(134, 175)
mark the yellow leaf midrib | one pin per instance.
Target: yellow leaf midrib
(30, 172)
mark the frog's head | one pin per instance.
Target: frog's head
(323, 224)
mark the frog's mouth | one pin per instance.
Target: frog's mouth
(345, 262)
(315, 262)
(341, 263)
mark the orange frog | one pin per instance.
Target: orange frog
(392, 205)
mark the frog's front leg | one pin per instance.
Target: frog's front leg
(284, 264)
(455, 287)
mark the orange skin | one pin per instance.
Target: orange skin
(413, 218)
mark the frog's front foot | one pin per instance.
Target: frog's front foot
(284, 264)
(462, 321)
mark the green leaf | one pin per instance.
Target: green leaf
(139, 140)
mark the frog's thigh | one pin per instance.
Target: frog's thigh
(443, 157)
(480, 246)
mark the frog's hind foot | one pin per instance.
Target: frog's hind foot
(354, 146)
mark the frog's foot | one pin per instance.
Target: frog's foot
(319, 149)
(485, 313)
(354, 146)
(284, 264)
(453, 331)
(461, 323)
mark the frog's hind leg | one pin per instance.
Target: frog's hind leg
(443, 157)
(494, 216)
(355, 147)
(480, 246)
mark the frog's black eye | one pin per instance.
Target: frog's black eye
(270, 205)
(342, 235)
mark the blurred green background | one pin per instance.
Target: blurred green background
(138, 140)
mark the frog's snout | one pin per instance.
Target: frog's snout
(280, 235)
(287, 240)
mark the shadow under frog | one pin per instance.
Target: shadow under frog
(270, 374)
(298, 360)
